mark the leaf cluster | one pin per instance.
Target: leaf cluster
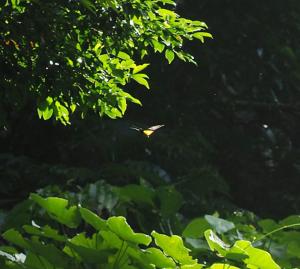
(111, 244)
(80, 56)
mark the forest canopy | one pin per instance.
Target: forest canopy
(82, 56)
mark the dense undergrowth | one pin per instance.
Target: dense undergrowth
(63, 233)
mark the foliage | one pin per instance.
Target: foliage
(280, 239)
(231, 137)
(112, 243)
(198, 187)
(139, 203)
(80, 56)
(162, 203)
(215, 115)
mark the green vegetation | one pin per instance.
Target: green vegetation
(215, 188)
(79, 56)
(112, 243)
(78, 237)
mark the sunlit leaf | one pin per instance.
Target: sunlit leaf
(58, 209)
(215, 243)
(158, 258)
(173, 246)
(91, 218)
(141, 79)
(120, 227)
(169, 54)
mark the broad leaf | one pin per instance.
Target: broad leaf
(173, 246)
(120, 227)
(256, 257)
(91, 218)
(215, 243)
(136, 193)
(89, 250)
(196, 228)
(170, 201)
(170, 55)
(46, 231)
(58, 209)
(220, 225)
(158, 258)
(141, 79)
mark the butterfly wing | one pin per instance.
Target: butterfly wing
(148, 132)
(155, 127)
(136, 128)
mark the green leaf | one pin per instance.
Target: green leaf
(158, 46)
(293, 245)
(136, 193)
(222, 266)
(51, 253)
(166, 13)
(57, 209)
(170, 55)
(196, 228)
(122, 104)
(87, 255)
(201, 35)
(47, 113)
(215, 243)
(220, 225)
(241, 251)
(111, 111)
(34, 261)
(88, 250)
(16, 238)
(61, 113)
(91, 218)
(45, 232)
(256, 257)
(294, 219)
(45, 109)
(268, 225)
(104, 58)
(73, 107)
(173, 246)
(158, 258)
(111, 239)
(140, 78)
(139, 68)
(132, 99)
(123, 55)
(120, 227)
(40, 112)
(170, 200)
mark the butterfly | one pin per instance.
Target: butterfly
(148, 131)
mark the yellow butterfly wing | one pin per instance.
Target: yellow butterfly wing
(148, 132)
